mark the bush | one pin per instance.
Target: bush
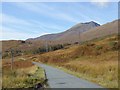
(39, 50)
(98, 47)
(56, 47)
(76, 43)
(50, 48)
(113, 45)
(66, 44)
(22, 42)
(90, 44)
(4, 55)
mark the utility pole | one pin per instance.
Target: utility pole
(79, 38)
(50, 49)
(12, 58)
(46, 46)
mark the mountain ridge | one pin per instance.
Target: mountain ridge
(79, 28)
(107, 29)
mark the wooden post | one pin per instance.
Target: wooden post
(46, 46)
(79, 38)
(50, 49)
(12, 59)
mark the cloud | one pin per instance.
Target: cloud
(100, 3)
(16, 28)
(45, 26)
(64, 15)
(55, 0)
(12, 34)
(42, 18)
(46, 10)
(0, 25)
(17, 24)
(13, 20)
(44, 0)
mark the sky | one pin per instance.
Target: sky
(23, 20)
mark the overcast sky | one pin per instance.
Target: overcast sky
(28, 20)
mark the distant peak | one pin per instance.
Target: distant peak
(91, 22)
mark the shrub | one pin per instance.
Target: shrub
(66, 44)
(90, 44)
(39, 50)
(22, 42)
(56, 47)
(5, 55)
(50, 48)
(113, 45)
(76, 43)
(98, 47)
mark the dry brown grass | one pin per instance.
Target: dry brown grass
(0, 74)
(17, 64)
(95, 61)
(102, 69)
(23, 75)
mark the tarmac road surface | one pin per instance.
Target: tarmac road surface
(60, 79)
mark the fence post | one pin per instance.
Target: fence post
(12, 59)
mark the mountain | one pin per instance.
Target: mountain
(78, 33)
(96, 32)
(81, 32)
(79, 28)
(103, 30)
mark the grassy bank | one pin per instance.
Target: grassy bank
(0, 74)
(101, 72)
(24, 75)
(96, 61)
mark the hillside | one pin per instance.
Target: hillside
(104, 30)
(24, 74)
(78, 28)
(96, 60)
(79, 33)
(97, 32)
(20, 47)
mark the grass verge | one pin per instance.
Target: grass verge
(26, 77)
(96, 61)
